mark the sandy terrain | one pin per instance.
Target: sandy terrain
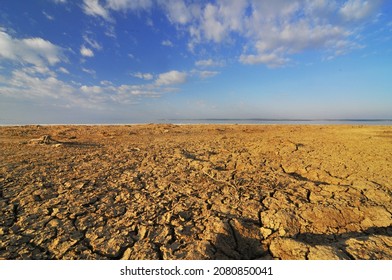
(196, 192)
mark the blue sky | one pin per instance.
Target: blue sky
(116, 61)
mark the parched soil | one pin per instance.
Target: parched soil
(196, 192)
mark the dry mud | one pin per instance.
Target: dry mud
(196, 192)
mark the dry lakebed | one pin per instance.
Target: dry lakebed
(163, 191)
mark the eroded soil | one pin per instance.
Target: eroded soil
(196, 192)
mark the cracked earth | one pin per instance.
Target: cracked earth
(196, 192)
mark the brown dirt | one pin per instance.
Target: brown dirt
(196, 192)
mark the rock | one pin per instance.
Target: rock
(375, 216)
(143, 249)
(248, 238)
(323, 218)
(61, 245)
(283, 221)
(370, 248)
(288, 249)
(325, 253)
(142, 231)
(377, 195)
(127, 254)
(265, 232)
(46, 139)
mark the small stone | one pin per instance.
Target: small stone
(77, 235)
(265, 232)
(137, 196)
(55, 211)
(142, 231)
(325, 253)
(127, 254)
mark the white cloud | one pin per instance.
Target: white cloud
(271, 59)
(358, 9)
(86, 51)
(36, 85)
(60, 1)
(36, 51)
(271, 31)
(38, 70)
(167, 43)
(144, 76)
(177, 11)
(92, 43)
(209, 63)
(122, 5)
(213, 28)
(63, 70)
(89, 71)
(49, 17)
(91, 89)
(93, 8)
(136, 90)
(171, 78)
(27, 84)
(223, 18)
(106, 83)
(207, 74)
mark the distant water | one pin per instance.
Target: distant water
(227, 121)
(281, 121)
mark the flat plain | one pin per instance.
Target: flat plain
(196, 192)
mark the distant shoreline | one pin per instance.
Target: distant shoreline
(216, 121)
(281, 121)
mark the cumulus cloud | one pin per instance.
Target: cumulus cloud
(86, 51)
(136, 90)
(271, 31)
(24, 83)
(207, 74)
(358, 9)
(94, 8)
(36, 51)
(177, 11)
(121, 5)
(171, 78)
(91, 89)
(37, 84)
(209, 63)
(271, 59)
(144, 76)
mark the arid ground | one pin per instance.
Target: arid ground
(196, 192)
